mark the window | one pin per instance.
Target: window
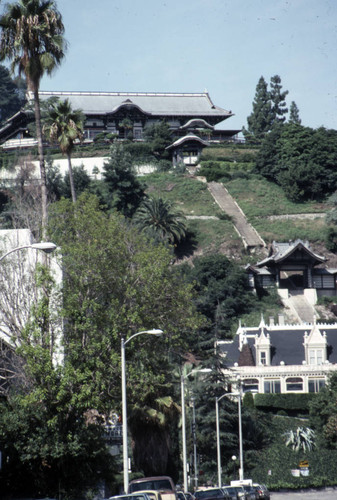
(137, 133)
(315, 356)
(272, 386)
(250, 384)
(263, 358)
(316, 384)
(294, 384)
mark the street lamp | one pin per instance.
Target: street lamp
(157, 333)
(218, 437)
(45, 246)
(183, 425)
(238, 395)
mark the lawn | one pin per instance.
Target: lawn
(257, 198)
(189, 195)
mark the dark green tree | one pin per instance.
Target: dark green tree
(115, 282)
(32, 39)
(125, 191)
(222, 294)
(301, 160)
(277, 98)
(294, 114)
(323, 414)
(11, 98)
(261, 118)
(159, 136)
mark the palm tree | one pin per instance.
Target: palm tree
(158, 217)
(32, 39)
(64, 126)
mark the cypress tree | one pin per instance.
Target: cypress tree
(260, 120)
(294, 114)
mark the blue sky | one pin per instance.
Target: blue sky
(223, 46)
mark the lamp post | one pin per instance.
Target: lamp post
(124, 405)
(45, 246)
(238, 395)
(218, 438)
(183, 424)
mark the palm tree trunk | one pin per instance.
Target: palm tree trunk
(41, 159)
(71, 179)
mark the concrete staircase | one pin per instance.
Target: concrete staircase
(300, 307)
(250, 237)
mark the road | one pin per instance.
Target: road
(326, 494)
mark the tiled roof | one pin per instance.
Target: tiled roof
(281, 251)
(198, 104)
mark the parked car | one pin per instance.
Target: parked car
(240, 492)
(135, 496)
(250, 492)
(262, 491)
(152, 494)
(211, 494)
(163, 484)
(233, 494)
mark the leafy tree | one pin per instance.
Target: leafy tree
(81, 181)
(277, 97)
(301, 160)
(126, 125)
(117, 281)
(125, 191)
(261, 118)
(64, 125)
(160, 220)
(221, 291)
(323, 414)
(11, 99)
(159, 136)
(294, 114)
(32, 38)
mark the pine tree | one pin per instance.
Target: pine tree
(277, 97)
(260, 120)
(294, 114)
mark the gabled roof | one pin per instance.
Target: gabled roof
(155, 103)
(187, 138)
(197, 123)
(282, 251)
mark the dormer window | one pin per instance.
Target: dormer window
(263, 358)
(315, 356)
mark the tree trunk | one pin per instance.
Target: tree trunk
(71, 179)
(41, 159)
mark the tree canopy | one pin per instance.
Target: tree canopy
(301, 160)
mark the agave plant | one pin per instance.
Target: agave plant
(303, 438)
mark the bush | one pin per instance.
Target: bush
(289, 402)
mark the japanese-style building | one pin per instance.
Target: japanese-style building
(282, 358)
(126, 114)
(293, 266)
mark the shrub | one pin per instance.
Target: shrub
(289, 402)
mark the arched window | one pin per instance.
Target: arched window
(294, 384)
(250, 384)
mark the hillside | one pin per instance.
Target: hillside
(264, 204)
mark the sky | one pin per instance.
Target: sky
(223, 46)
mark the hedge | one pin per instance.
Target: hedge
(297, 402)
